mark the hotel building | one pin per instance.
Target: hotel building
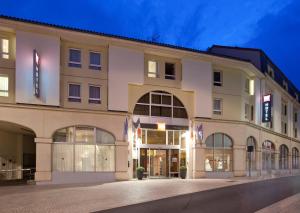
(81, 106)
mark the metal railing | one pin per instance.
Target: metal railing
(28, 174)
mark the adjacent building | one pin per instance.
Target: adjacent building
(83, 106)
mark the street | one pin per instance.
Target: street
(248, 197)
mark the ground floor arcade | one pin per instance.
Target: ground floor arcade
(65, 146)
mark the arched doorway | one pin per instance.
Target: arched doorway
(268, 156)
(17, 153)
(295, 158)
(160, 134)
(283, 157)
(218, 153)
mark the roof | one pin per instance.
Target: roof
(277, 69)
(117, 37)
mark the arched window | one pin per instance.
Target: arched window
(295, 158)
(159, 103)
(218, 153)
(251, 142)
(83, 149)
(268, 155)
(284, 157)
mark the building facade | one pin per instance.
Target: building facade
(81, 106)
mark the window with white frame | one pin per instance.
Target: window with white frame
(218, 79)
(247, 85)
(170, 71)
(152, 69)
(74, 58)
(4, 48)
(3, 86)
(217, 106)
(247, 111)
(94, 94)
(74, 92)
(160, 104)
(95, 61)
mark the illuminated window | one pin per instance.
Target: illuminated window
(170, 71)
(74, 93)
(217, 106)
(95, 61)
(152, 69)
(4, 86)
(74, 58)
(218, 78)
(268, 155)
(94, 94)
(83, 149)
(5, 48)
(283, 157)
(218, 153)
(295, 158)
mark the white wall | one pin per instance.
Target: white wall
(258, 87)
(124, 66)
(197, 77)
(49, 50)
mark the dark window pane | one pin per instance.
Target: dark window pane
(156, 99)
(94, 95)
(144, 99)
(179, 113)
(161, 111)
(170, 71)
(94, 58)
(177, 102)
(75, 55)
(74, 90)
(141, 110)
(155, 111)
(166, 100)
(217, 76)
(166, 111)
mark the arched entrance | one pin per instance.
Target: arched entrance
(268, 156)
(251, 155)
(17, 153)
(160, 134)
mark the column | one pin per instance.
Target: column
(122, 160)
(258, 85)
(43, 159)
(198, 160)
(277, 111)
(239, 160)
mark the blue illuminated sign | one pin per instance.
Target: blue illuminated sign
(36, 73)
(267, 109)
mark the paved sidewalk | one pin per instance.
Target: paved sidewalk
(88, 198)
(288, 205)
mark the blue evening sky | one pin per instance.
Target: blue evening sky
(272, 25)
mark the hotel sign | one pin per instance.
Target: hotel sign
(36, 73)
(267, 108)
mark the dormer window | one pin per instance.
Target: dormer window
(285, 85)
(296, 97)
(270, 71)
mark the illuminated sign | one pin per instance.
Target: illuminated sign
(161, 126)
(267, 108)
(36, 73)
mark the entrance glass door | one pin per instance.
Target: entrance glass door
(158, 163)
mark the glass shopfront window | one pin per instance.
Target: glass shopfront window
(218, 153)
(295, 158)
(283, 157)
(251, 156)
(268, 155)
(83, 149)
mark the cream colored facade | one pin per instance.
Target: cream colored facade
(123, 80)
